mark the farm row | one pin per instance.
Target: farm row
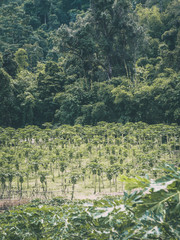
(84, 160)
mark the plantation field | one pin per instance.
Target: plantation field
(72, 169)
(80, 161)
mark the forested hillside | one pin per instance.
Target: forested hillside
(81, 61)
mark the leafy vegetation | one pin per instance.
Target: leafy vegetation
(150, 213)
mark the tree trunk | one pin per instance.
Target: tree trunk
(94, 183)
(100, 183)
(10, 187)
(102, 180)
(36, 183)
(73, 187)
(115, 183)
(27, 181)
(18, 183)
(3, 189)
(62, 182)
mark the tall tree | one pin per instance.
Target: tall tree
(43, 7)
(50, 82)
(7, 99)
(9, 63)
(21, 58)
(105, 39)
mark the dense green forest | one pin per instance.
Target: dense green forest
(81, 61)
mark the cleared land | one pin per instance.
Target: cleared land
(82, 162)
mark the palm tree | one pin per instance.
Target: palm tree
(21, 180)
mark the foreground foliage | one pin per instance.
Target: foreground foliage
(150, 213)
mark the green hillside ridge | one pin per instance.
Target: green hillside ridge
(81, 62)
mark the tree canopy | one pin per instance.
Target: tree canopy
(81, 62)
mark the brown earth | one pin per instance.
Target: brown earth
(9, 203)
